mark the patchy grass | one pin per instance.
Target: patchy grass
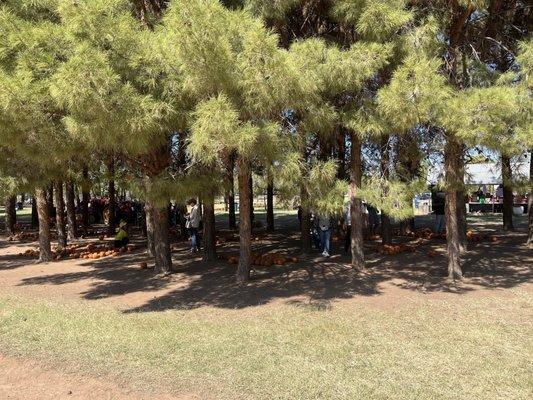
(469, 347)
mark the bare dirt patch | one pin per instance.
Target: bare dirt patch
(24, 379)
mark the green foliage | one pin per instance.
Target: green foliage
(417, 94)
(374, 20)
(398, 203)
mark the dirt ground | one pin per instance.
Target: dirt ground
(27, 380)
(490, 269)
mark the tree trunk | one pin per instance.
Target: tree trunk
(150, 229)
(60, 215)
(50, 199)
(508, 198)
(461, 201)
(356, 214)
(71, 211)
(530, 204)
(230, 167)
(453, 180)
(85, 198)
(251, 188)
(270, 202)
(386, 228)
(111, 227)
(245, 226)
(45, 250)
(305, 225)
(163, 257)
(210, 246)
(11, 214)
(34, 216)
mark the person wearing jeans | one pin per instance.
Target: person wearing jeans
(324, 231)
(193, 223)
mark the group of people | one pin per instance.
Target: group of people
(193, 220)
(324, 224)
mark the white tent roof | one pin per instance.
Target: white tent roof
(484, 174)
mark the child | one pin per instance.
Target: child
(122, 239)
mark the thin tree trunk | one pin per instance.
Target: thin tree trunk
(270, 202)
(453, 180)
(150, 229)
(305, 225)
(251, 188)
(111, 227)
(356, 214)
(50, 199)
(85, 195)
(60, 215)
(45, 250)
(163, 257)
(461, 201)
(530, 204)
(34, 216)
(507, 194)
(386, 228)
(210, 249)
(10, 214)
(230, 167)
(245, 226)
(71, 211)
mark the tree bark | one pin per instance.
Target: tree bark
(508, 197)
(85, 198)
(356, 214)
(270, 202)
(386, 228)
(34, 216)
(60, 215)
(112, 206)
(150, 229)
(10, 214)
(50, 199)
(530, 204)
(71, 211)
(45, 250)
(461, 200)
(163, 257)
(245, 226)
(453, 180)
(210, 246)
(230, 167)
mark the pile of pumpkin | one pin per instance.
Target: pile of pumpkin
(391, 249)
(226, 239)
(426, 233)
(94, 252)
(266, 259)
(87, 252)
(478, 237)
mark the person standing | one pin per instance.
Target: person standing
(324, 226)
(439, 205)
(347, 227)
(192, 224)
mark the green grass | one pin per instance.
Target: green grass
(480, 348)
(26, 211)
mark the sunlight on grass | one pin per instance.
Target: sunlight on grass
(431, 350)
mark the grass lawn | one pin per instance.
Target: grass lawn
(25, 212)
(456, 347)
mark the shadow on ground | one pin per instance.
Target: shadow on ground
(196, 283)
